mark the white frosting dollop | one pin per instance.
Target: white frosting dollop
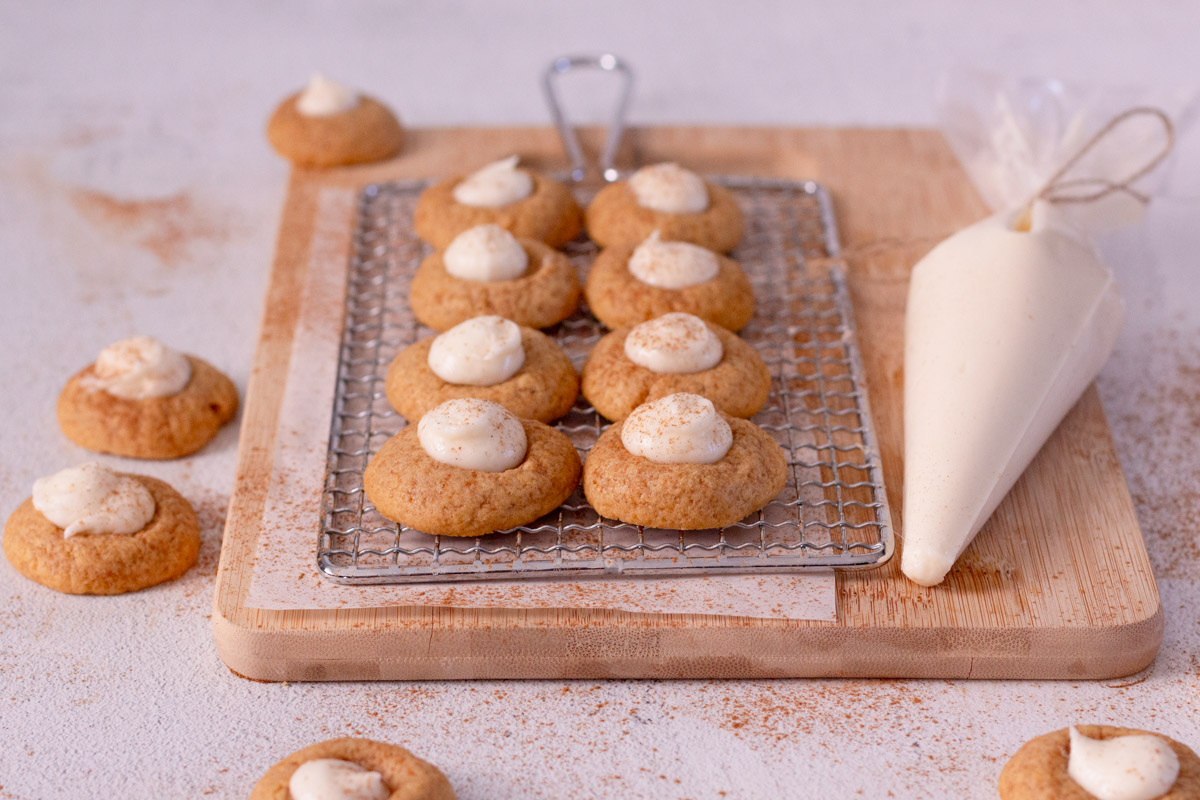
(485, 253)
(1138, 767)
(473, 434)
(324, 97)
(497, 185)
(91, 498)
(138, 368)
(680, 428)
(674, 343)
(672, 265)
(669, 188)
(335, 779)
(482, 351)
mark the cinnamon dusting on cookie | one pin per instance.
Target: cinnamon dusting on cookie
(674, 343)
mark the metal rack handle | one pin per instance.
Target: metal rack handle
(609, 63)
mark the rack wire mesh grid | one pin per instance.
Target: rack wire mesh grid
(832, 513)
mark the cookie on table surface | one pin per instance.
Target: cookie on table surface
(685, 278)
(670, 489)
(1040, 769)
(524, 202)
(674, 353)
(488, 358)
(342, 766)
(677, 203)
(328, 125)
(483, 272)
(144, 400)
(492, 471)
(162, 545)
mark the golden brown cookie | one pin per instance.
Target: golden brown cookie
(616, 219)
(366, 133)
(629, 488)
(545, 295)
(615, 386)
(155, 427)
(1038, 771)
(618, 299)
(106, 563)
(544, 388)
(549, 214)
(408, 486)
(407, 776)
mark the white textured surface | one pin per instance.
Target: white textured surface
(137, 196)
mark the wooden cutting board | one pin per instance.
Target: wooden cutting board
(1057, 585)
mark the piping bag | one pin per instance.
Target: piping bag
(1012, 318)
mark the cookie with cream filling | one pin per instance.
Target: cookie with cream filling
(666, 198)
(142, 399)
(1040, 770)
(377, 764)
(737, 381)
(729, 469)
(542, 387)
(539, 292)
(328, 125)
(523, 201)
(718, 291)
(470, 467)
(87, 551)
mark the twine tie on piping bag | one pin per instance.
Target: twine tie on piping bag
(1060, 190)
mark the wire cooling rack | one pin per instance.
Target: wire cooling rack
(832, 513)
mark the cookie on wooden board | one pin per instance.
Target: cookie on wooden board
(544, 388)
(638, 491)
(547, 213)
(616, 217)
(618, 298)
(615, 385)
(546, 294)
(407, 485)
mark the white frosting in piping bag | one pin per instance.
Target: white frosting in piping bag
(1005, 330)
(674, 343)
(485, 253)
(91, 498)
(481, 351)
(497, 185)
(1137, 767)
